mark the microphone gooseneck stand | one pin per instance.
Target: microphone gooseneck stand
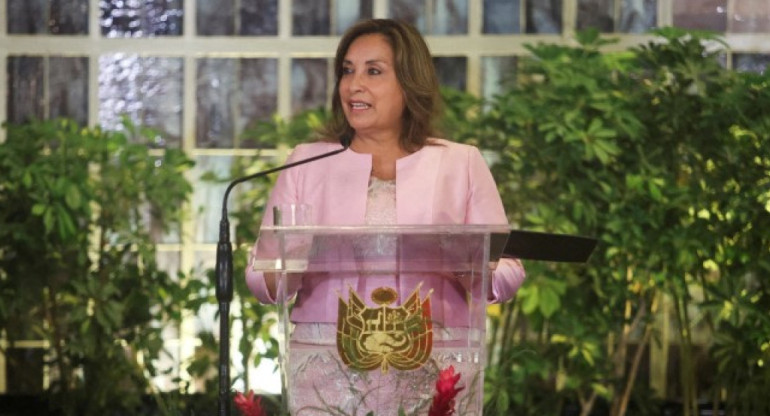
(224, 276)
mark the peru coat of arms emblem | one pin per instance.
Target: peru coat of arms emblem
(383, 336)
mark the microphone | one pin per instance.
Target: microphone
(224, 274)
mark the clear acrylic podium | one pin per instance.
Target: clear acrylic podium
(370, 315)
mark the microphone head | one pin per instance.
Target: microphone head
(345, 139)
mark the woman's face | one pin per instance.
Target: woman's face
(372, 98)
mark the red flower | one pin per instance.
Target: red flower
(248, 405)
(446, 391)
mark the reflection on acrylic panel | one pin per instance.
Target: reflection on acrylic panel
(751, 62)
(347, 12)
(309, 83)
(26, 98)
(310, 17)
(253, 17)
(638, 16)
(437, 17)
(451, 71)
(208, 195)
(146, 89)
(544, 16)
(498, 74)
(68, 88)
(750, 16)
(502, 16)
(701, 14)
(66, 17)
(120, 18)
(231, 94)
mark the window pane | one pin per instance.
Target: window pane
(146, 89)
(638, 16)
(206, 320)
(347, 12)
(259, 18)
(259, 95)
(27, 16)
(170, 262)
(751, 62)
(502, 16)
(154, 225)
(121, 18)
(231, 95)
(215, 97)
(701, 14)
(498, 73)
(751, 16)
(68, 88)
(215, 18)
(598, 14)
(309, 83)
(310, 17)
(26, 100)
(451, 71)
(544, 16)
(69, 17)
(207, 196)
(410, 11)
(450, 17)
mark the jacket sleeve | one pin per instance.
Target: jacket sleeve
(285, 191)
(486, 207)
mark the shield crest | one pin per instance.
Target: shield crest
(383, 336)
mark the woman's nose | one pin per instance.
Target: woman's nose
(356, 82)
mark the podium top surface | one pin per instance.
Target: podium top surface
(388, 229)
(522, 244)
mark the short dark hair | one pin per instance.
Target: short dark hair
(415, 73)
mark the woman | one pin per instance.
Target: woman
(396, 171)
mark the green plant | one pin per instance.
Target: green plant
(662, 154)
(82, 210)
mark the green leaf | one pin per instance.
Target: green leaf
(530, 300)
(503, 401)
(549, 301)
(48, 220)
(39, 209)
(72, 196)
(26, 179)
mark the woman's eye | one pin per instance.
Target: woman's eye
(374, 71)
(347, 71)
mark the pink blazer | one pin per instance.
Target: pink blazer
(444, 183)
